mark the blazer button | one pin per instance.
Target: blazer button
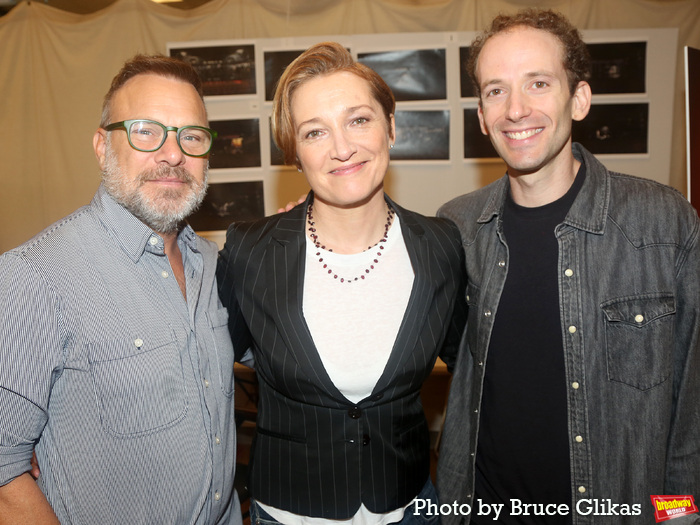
(377, 397)
(355, 412)
(365, 440)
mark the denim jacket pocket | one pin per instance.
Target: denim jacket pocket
(638, 332)
(139, 384)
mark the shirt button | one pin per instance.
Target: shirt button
(206, 383)
(582, 489)
(575, 385)
(217, 440)
(138, 343)
(572, 329)
(153, 241)
(568, 272)
(501, 264)
(579, 439)
(217, 496)
(639, 318)
(487, 313)
(164, 274)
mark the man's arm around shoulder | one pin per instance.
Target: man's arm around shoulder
(22, 502)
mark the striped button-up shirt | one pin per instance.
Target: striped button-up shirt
(123, 387)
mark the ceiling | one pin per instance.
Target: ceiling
(83, 6)
(90, 6)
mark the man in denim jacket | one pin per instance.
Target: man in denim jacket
(576, 395)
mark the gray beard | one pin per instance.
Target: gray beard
(163, 214)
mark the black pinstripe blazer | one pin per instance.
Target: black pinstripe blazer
(316, 453)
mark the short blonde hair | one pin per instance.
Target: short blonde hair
(320, 59)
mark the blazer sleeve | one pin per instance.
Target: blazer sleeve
(225, 275)
(458, 320)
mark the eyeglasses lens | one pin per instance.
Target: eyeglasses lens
(149, 136)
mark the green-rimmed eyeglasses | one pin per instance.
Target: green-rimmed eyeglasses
(149, 135)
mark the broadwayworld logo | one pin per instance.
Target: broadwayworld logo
(669, 507)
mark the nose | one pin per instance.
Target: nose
(342, 146)
(170, 152)
(517, 106)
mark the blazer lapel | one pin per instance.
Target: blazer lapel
(287, 279)
(419, 302)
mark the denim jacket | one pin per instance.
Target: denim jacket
(629, 288)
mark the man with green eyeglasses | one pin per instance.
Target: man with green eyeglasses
(116, 365)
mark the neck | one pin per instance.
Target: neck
(537, 189)
(349, 230)
(170, 242)
(172, 251)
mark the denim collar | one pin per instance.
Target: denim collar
(589, 210)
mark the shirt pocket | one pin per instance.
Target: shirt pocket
(638, 339)
(218, 321)
(139, 384)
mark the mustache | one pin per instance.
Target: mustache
(163, 172)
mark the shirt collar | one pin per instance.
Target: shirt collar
(496, 201)
(132, 235)
(590, 208)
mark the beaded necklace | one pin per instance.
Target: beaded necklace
(378, 245)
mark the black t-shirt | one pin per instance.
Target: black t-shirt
(523, 448)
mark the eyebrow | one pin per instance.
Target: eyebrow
(532, 74)
(348, 111)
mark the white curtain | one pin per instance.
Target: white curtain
(56, 66)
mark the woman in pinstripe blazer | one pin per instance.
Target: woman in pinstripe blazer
(346, 301)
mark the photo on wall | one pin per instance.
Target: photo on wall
(224, 69)
(476, 144)
(618, 67)
(276, 156)
(237, 144)
(614, 128)
(275, 64)
(418, 74)
(227, 202)
(466, 86)
(422, 135)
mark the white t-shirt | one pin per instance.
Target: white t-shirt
(354, 326)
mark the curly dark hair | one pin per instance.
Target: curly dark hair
(577, 60)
